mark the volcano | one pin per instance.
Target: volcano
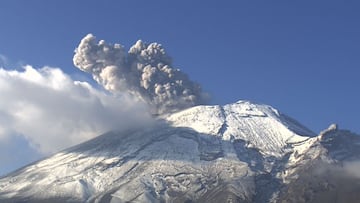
(240, 152)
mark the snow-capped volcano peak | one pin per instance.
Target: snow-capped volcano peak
(241, 152)
(261, 126)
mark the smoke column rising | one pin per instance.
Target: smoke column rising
(145, 71)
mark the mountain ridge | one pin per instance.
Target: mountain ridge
(205, 153)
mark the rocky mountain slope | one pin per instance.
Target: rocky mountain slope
(241, 152)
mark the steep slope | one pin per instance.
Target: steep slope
(241, 152)
(262, 126)
(328, 171)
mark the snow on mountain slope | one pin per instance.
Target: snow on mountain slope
(162, 163)
(262, 126)
(202, 154)
(326, 170)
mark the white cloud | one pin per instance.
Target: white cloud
(352, 168)
(3, 60)
(53, 112)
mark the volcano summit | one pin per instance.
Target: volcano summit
(241, 152)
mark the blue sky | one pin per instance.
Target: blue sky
(300, 57)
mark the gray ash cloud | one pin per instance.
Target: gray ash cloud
(145, 71)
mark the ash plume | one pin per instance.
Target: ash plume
(145, 71)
